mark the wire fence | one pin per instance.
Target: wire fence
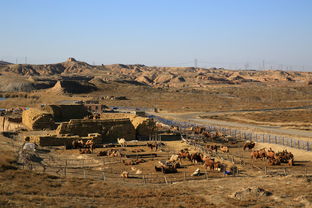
(89, 169)
(244, 134)
(103, 168)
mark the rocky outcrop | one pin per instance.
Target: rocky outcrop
(72, 87)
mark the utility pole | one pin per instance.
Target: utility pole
(246, 66)
(195, 63)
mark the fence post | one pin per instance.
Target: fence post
(144, 179)
(285, 171)
(84, 173)
(103, 175)
(65, 169)
(262, 138)
(308, 146)
(265, 170)
(166, 180)
(306, 172)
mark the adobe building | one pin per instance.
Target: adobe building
(95, 108)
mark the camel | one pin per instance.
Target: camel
(249, 144)
(122, 142)
(124, 174)
(224, 149)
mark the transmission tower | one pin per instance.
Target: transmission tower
(195, 63)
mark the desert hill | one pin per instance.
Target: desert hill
(152, 76)
(71, 87)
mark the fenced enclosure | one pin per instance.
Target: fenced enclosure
(245, 134)
(101, 168)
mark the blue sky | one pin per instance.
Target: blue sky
(230, 33)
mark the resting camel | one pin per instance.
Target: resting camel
(124, 174)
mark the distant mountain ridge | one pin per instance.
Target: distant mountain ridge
(177, 77)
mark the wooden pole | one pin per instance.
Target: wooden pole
(84, 173)
(103, 175)
(184, 176)
(265, 170)
(166, 180)
(65, 169)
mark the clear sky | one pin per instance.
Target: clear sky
(159, 32)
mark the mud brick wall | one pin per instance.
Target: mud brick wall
(110, 129)
(36, 119)
(144, 126)
(66, 112)
(8, 124)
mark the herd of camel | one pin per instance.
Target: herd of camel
(274, 158)
(175, 161)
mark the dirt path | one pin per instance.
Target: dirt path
(194, 117)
